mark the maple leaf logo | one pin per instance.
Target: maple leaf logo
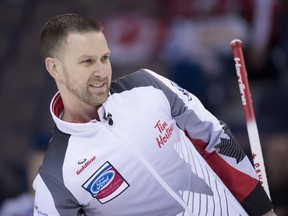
(230, 147)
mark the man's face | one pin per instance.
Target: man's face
(86, 67)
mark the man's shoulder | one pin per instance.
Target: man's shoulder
(55, 153)
(138, 74)
(139, 78)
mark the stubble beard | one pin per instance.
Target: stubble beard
(87, 97)
(83, 93)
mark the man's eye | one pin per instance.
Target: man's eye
(87, 61)
(105, 58)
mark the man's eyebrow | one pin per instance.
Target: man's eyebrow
(91, 56)
(85, 56)
(108, 53)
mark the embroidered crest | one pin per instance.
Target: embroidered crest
(106, 183)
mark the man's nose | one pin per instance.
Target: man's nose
(99, 69)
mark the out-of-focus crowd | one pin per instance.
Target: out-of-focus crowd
(185, 40)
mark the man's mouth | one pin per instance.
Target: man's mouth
(97, 84)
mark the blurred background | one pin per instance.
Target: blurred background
(187, 41)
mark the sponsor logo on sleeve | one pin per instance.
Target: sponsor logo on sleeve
(106, 183)
(184, 91)
(38, 212)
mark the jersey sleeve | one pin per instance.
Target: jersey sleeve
(217, 145)
(60, 203)
(43, 203)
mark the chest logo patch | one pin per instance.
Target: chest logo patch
(106, 183)
(165, 132)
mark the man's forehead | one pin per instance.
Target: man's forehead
(86, 41)
(73, 35)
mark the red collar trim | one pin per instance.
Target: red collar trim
(58, 105)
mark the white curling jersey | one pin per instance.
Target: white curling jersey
(148, 156)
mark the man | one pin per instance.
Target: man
(139, 145)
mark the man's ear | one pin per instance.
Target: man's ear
(52, 66)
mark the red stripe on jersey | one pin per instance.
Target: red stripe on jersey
(200, 145)
(240, 184)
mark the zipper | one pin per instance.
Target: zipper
(156, 175)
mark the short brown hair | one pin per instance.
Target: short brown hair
(56, 30)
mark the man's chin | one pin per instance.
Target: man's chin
(99, 101)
